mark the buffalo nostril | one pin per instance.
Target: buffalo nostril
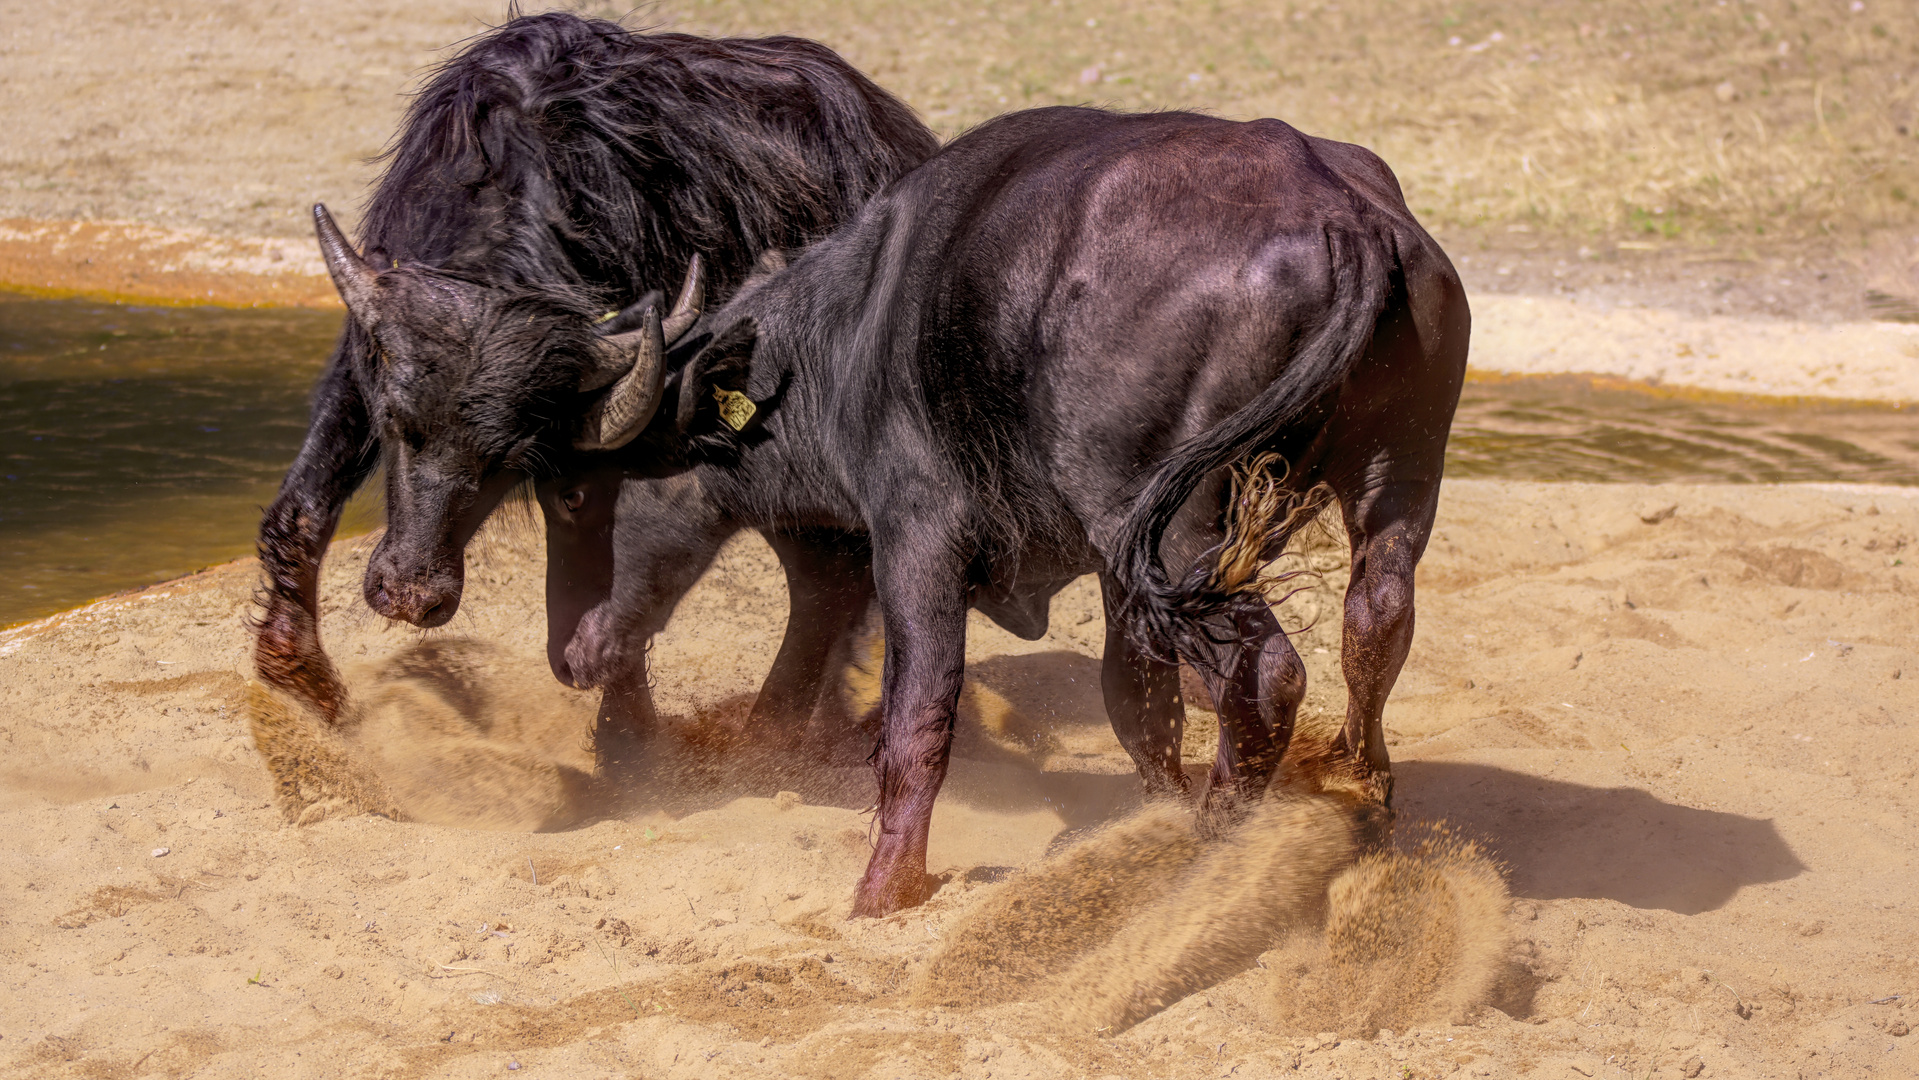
(438, 610)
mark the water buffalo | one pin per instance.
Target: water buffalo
(540, 178)
(1050, 351)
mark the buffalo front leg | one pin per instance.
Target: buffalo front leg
(336, 458)
(922, 596)
(625, 720)
(1389, 526)
(1257, 681)
(829, 585)
(663, 536)
(1143, 702)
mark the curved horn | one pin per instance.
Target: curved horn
(350, 273)
(618, 415)
(609, 364)
(686, 309)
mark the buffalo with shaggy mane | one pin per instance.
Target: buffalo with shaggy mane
(540, 178)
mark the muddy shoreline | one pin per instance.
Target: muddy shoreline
(135, 263)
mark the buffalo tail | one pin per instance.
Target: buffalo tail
(1172, 619)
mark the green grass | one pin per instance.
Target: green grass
(1688, 123)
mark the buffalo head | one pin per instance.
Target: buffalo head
(471, 388)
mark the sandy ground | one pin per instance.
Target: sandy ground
(1547, 335)
(1682, 719)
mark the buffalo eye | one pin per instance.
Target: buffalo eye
(574, 499)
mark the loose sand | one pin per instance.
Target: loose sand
(1681, 718)
(1551, 335)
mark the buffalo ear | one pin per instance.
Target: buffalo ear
(716, 377)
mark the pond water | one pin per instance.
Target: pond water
(139, 443)
(1563, 428)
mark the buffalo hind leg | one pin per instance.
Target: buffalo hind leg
(1257, 683)
(923, 604)
(1389, 526)
(1143, 702)
(829, 585)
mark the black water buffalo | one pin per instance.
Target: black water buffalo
(540, 178)
(1049, 351)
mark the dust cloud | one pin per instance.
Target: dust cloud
(1131, 920)
(441, 732)
(1108, 931)
(1408, 940)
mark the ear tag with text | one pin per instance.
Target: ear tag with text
(735, 408)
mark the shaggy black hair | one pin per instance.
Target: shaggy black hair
(566, 151)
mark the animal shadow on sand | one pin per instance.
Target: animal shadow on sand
(1561, 840)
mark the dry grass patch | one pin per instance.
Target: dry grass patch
(1696, 122)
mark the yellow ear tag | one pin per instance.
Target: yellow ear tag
(608, 317)
(735, 408)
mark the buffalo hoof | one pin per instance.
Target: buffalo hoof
(620, 769)
(1222, 807)
(1382, 787)
(592, 657)
(1373, 826)
(617, 752)
(287, 656)
(878, 899)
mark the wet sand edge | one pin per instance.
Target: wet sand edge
(132, 262)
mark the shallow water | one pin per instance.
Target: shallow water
(1563, 428)
(139, 443)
